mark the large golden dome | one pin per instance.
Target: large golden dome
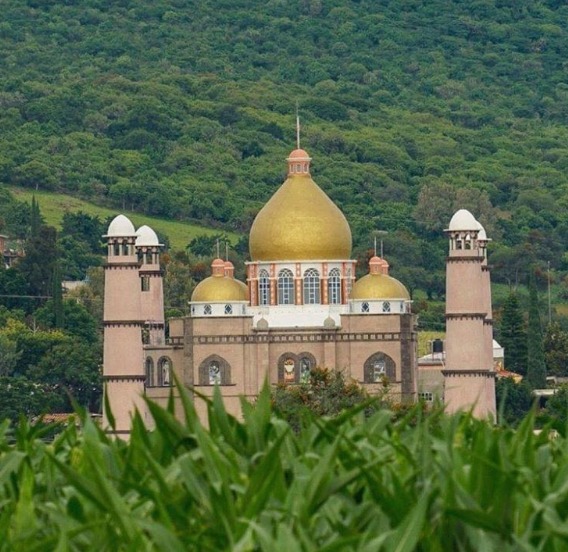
(219, 288)
(299, 222)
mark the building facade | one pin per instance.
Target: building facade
(301, 307)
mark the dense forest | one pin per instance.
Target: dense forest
(410, 109)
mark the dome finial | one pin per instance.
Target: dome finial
(297, 126)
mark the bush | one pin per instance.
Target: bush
(344, 483)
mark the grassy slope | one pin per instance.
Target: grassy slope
(53, 206)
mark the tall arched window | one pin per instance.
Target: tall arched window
(164, 372)
(379, 367)
(288, 369)
(214, 370)
(149, 369)
(263, 288)
(285, 287)
(307, 363)
(311, 287)
(334, 287)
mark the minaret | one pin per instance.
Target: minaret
(469, 380)
(123, 365)
(151, 286)
(483, 240)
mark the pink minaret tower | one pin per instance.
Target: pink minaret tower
(483, 240)
(151, 286)
(469, 379)
(123, 362)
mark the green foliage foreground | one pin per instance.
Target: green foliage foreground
(344, 483)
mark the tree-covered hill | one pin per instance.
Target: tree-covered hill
(409, 108)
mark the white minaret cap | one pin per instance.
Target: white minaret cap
(482, 235)
(146, 237)
(463, 221)
(120, 227)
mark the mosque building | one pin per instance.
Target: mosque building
(301, 307)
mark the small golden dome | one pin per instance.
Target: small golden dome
(218, 287)
(299, 222)
(378, 286)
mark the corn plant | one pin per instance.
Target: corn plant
(351, 482)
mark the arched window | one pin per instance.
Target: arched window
(288, 369)
(365, 307)
(228, 309)
(311, 287)
(116, 249)
(214, 370)
(386, 306)
(334, 287)
(378, 368)
(285, 287)
(148, 257)
(207, 310)
(307, 363)
(263, 288)
(149, 369)
(164, 372)
(125, 248)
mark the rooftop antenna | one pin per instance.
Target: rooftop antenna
(226, 250)
(218, 254)
(375, 246)
(297, 126)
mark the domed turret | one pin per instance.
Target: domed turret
(300, 222)
(146, 237)
(462, 221)
(218, 287)
(378, 284)
(120, 226)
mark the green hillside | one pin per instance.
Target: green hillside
(410, 109)
(53, 206)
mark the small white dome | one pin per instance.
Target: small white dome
(120, 227)
(463, 220)
(146, 237)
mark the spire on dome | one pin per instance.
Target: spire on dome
(297, 127)
(298, 160)
(229, 266)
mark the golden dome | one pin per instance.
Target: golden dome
(299, 222)
(218, 287)
(378, 286)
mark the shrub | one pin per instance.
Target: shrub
(343, 483)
